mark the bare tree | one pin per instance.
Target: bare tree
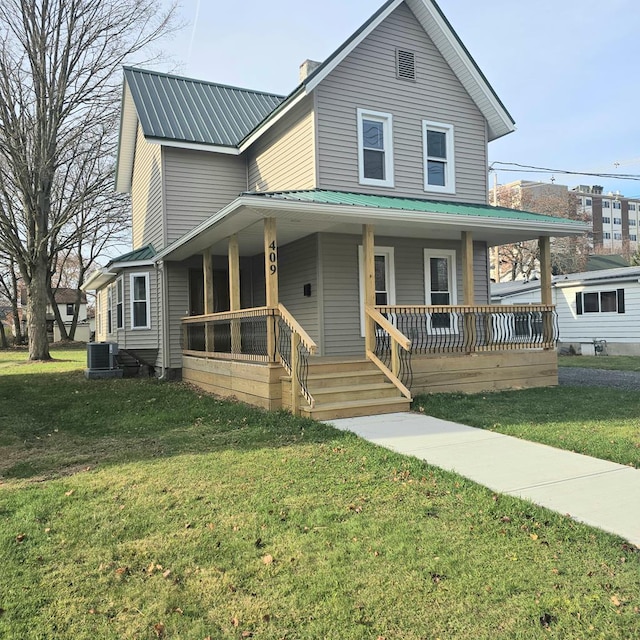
(60, 64)
(568, 255)
(10, 291)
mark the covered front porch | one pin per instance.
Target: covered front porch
(403, 341)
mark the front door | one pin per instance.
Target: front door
(440, 284)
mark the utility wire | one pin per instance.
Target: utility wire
(533, 169)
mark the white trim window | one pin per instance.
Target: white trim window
(440, 280)
(375, 148)
(385, 278)
(110, 309)
(140, 295)
(439, 163)
(119, 303)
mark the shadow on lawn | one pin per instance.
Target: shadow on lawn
(58, 424)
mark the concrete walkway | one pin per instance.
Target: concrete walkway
(599, 493)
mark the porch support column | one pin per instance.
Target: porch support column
(546, 298)
(207, 270)
(368, 259)
(467, 268)
(271, 280)
(234, 292)
(469, 318)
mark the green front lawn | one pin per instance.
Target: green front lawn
(619, 363)
(137, 509)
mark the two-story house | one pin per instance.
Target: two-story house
(325, 251)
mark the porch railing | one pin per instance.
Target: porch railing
(391, 352)
(233, 335)
(294, 348)
(261, 334)
(464, 329)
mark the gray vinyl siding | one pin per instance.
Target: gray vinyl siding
(482, 281)
(178, 307)
(146, 194)
(284, 158)
(297, 266)
(340, 282)
(197, 184)
(366, 79)
(127, 337)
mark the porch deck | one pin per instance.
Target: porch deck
(263, 357)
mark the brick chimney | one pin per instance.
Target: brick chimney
(307, 68)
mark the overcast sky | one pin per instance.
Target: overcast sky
(567, 70)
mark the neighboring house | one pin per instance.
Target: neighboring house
(340, 232)
(65, 299)
(597, 311)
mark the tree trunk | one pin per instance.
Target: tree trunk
(37, 287)
(17, 327)
(3, 337)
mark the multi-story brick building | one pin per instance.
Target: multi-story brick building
(615, 219)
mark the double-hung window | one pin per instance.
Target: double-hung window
(119, 304)
(439, 165)
(375, 148)
(140, 317)
(440, 286)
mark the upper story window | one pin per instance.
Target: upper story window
(616, 204)
(617, 221)
(588, 202)
(606, 204)
(606, 235)
(140, 317)
(633, 237)
(606, 220)
(439, 170)
(632, 206)
(375, 148)
(632, 222)
(70, 306)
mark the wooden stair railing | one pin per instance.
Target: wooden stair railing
(397, 341)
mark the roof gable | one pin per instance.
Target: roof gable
(197, 114)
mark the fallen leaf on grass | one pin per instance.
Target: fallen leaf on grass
(159, 629)
(69, 493)
(20, 537)
(616, 601)
(534, 536)
(166, 574)
(268, 559)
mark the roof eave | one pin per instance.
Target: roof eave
(97, 280)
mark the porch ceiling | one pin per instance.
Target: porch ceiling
(297, 219)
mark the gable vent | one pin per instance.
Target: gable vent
(405, 64)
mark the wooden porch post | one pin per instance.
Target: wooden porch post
(234, 292)
(546, 298)
(207, 269)
(271, 278)
(469, 320)
(368, 259)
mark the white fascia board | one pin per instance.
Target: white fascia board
(307, 88)
(262, 129)
(564, 284)
(126, 142)
(316, 80)
(196, 146)
(133, 264)
(461, 56)
(203, 226)
(97, 280)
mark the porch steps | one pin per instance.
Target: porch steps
(346, 388)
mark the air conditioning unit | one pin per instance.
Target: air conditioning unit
(102, 360)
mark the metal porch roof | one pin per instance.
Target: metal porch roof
(341, 198)
(143, 253)
(187, 110)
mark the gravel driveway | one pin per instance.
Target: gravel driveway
(579, 377)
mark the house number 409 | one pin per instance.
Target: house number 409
(273, 258)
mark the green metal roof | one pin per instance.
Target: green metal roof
(187, 110)
(137, 255)
(342, 198)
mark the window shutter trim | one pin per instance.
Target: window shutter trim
(579, 303)
(620, 300)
